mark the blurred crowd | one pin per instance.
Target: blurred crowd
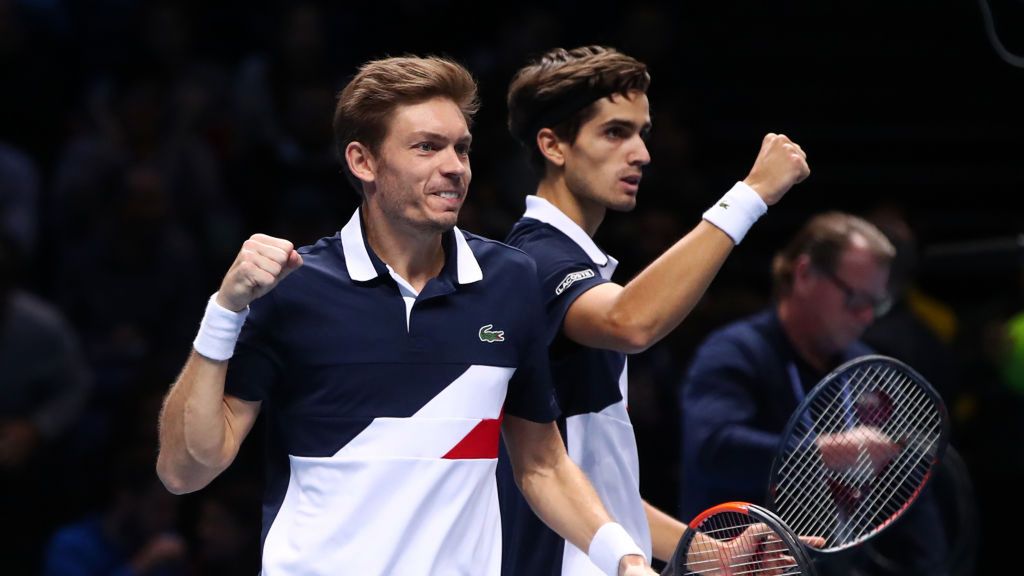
(141, 142)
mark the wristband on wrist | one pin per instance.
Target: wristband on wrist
(609, 545)
(737, 211)
(219, 331)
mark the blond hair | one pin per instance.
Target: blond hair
(366, 103)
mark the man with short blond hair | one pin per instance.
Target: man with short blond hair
(388, 357)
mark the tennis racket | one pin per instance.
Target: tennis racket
(738, 539)
(857, 451)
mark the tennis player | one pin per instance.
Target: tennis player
(387, 358)
(583, 115)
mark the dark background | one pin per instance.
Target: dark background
(161, 134)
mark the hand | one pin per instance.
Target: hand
(18, 439)
(755, 546)
(780, 164)
(633, 565)
(843, 450)
(261, 264)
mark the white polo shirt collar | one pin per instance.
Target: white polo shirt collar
(360, 265)
(540, 209)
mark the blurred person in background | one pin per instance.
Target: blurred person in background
(831, 282)
(44, 388)
(135, 533)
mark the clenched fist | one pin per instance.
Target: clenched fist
(261, 264)
(780, 164)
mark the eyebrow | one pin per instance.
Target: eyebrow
(437, 136)
(626, 124)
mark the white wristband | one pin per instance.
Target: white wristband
(737, 211)
(610, 544)
(219, 331)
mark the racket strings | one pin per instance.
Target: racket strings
(863, 469)
(824, 407)
(846, 506)
(765, 550)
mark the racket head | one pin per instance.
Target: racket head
(762, 541)
(857, 451)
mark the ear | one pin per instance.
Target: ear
(803, 274)
(361, 161)
(551, 146)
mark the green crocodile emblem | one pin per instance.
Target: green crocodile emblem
(487, 335)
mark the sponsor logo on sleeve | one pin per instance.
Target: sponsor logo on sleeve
(572, 278)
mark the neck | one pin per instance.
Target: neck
(796, 327)
(586, 214)
(414, 254)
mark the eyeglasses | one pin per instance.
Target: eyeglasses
(860, 300)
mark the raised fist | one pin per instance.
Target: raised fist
(780, 164)
(262, 262)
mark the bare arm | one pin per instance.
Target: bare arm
(201, 429)
(631, 318)
(556, 489)
(666, 532)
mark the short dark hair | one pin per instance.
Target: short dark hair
(559, 89)
(824, 238)
(365, 104)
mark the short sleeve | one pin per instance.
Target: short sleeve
(565, 272)
(256, 364)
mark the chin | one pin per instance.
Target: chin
(444, 223)
(623, 205)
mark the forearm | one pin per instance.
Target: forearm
(630, 319)
(663, 294)
(665, 532)
(194, 442)
(668, 289)
(563, 498)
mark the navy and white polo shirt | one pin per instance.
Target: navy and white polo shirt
(591, 388)
(383, 419)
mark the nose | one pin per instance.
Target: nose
(453, 165)
(639, 155)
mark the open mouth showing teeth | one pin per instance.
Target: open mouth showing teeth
(448, 195)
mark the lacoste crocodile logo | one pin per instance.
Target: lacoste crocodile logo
(487, 335)
(724, 205)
